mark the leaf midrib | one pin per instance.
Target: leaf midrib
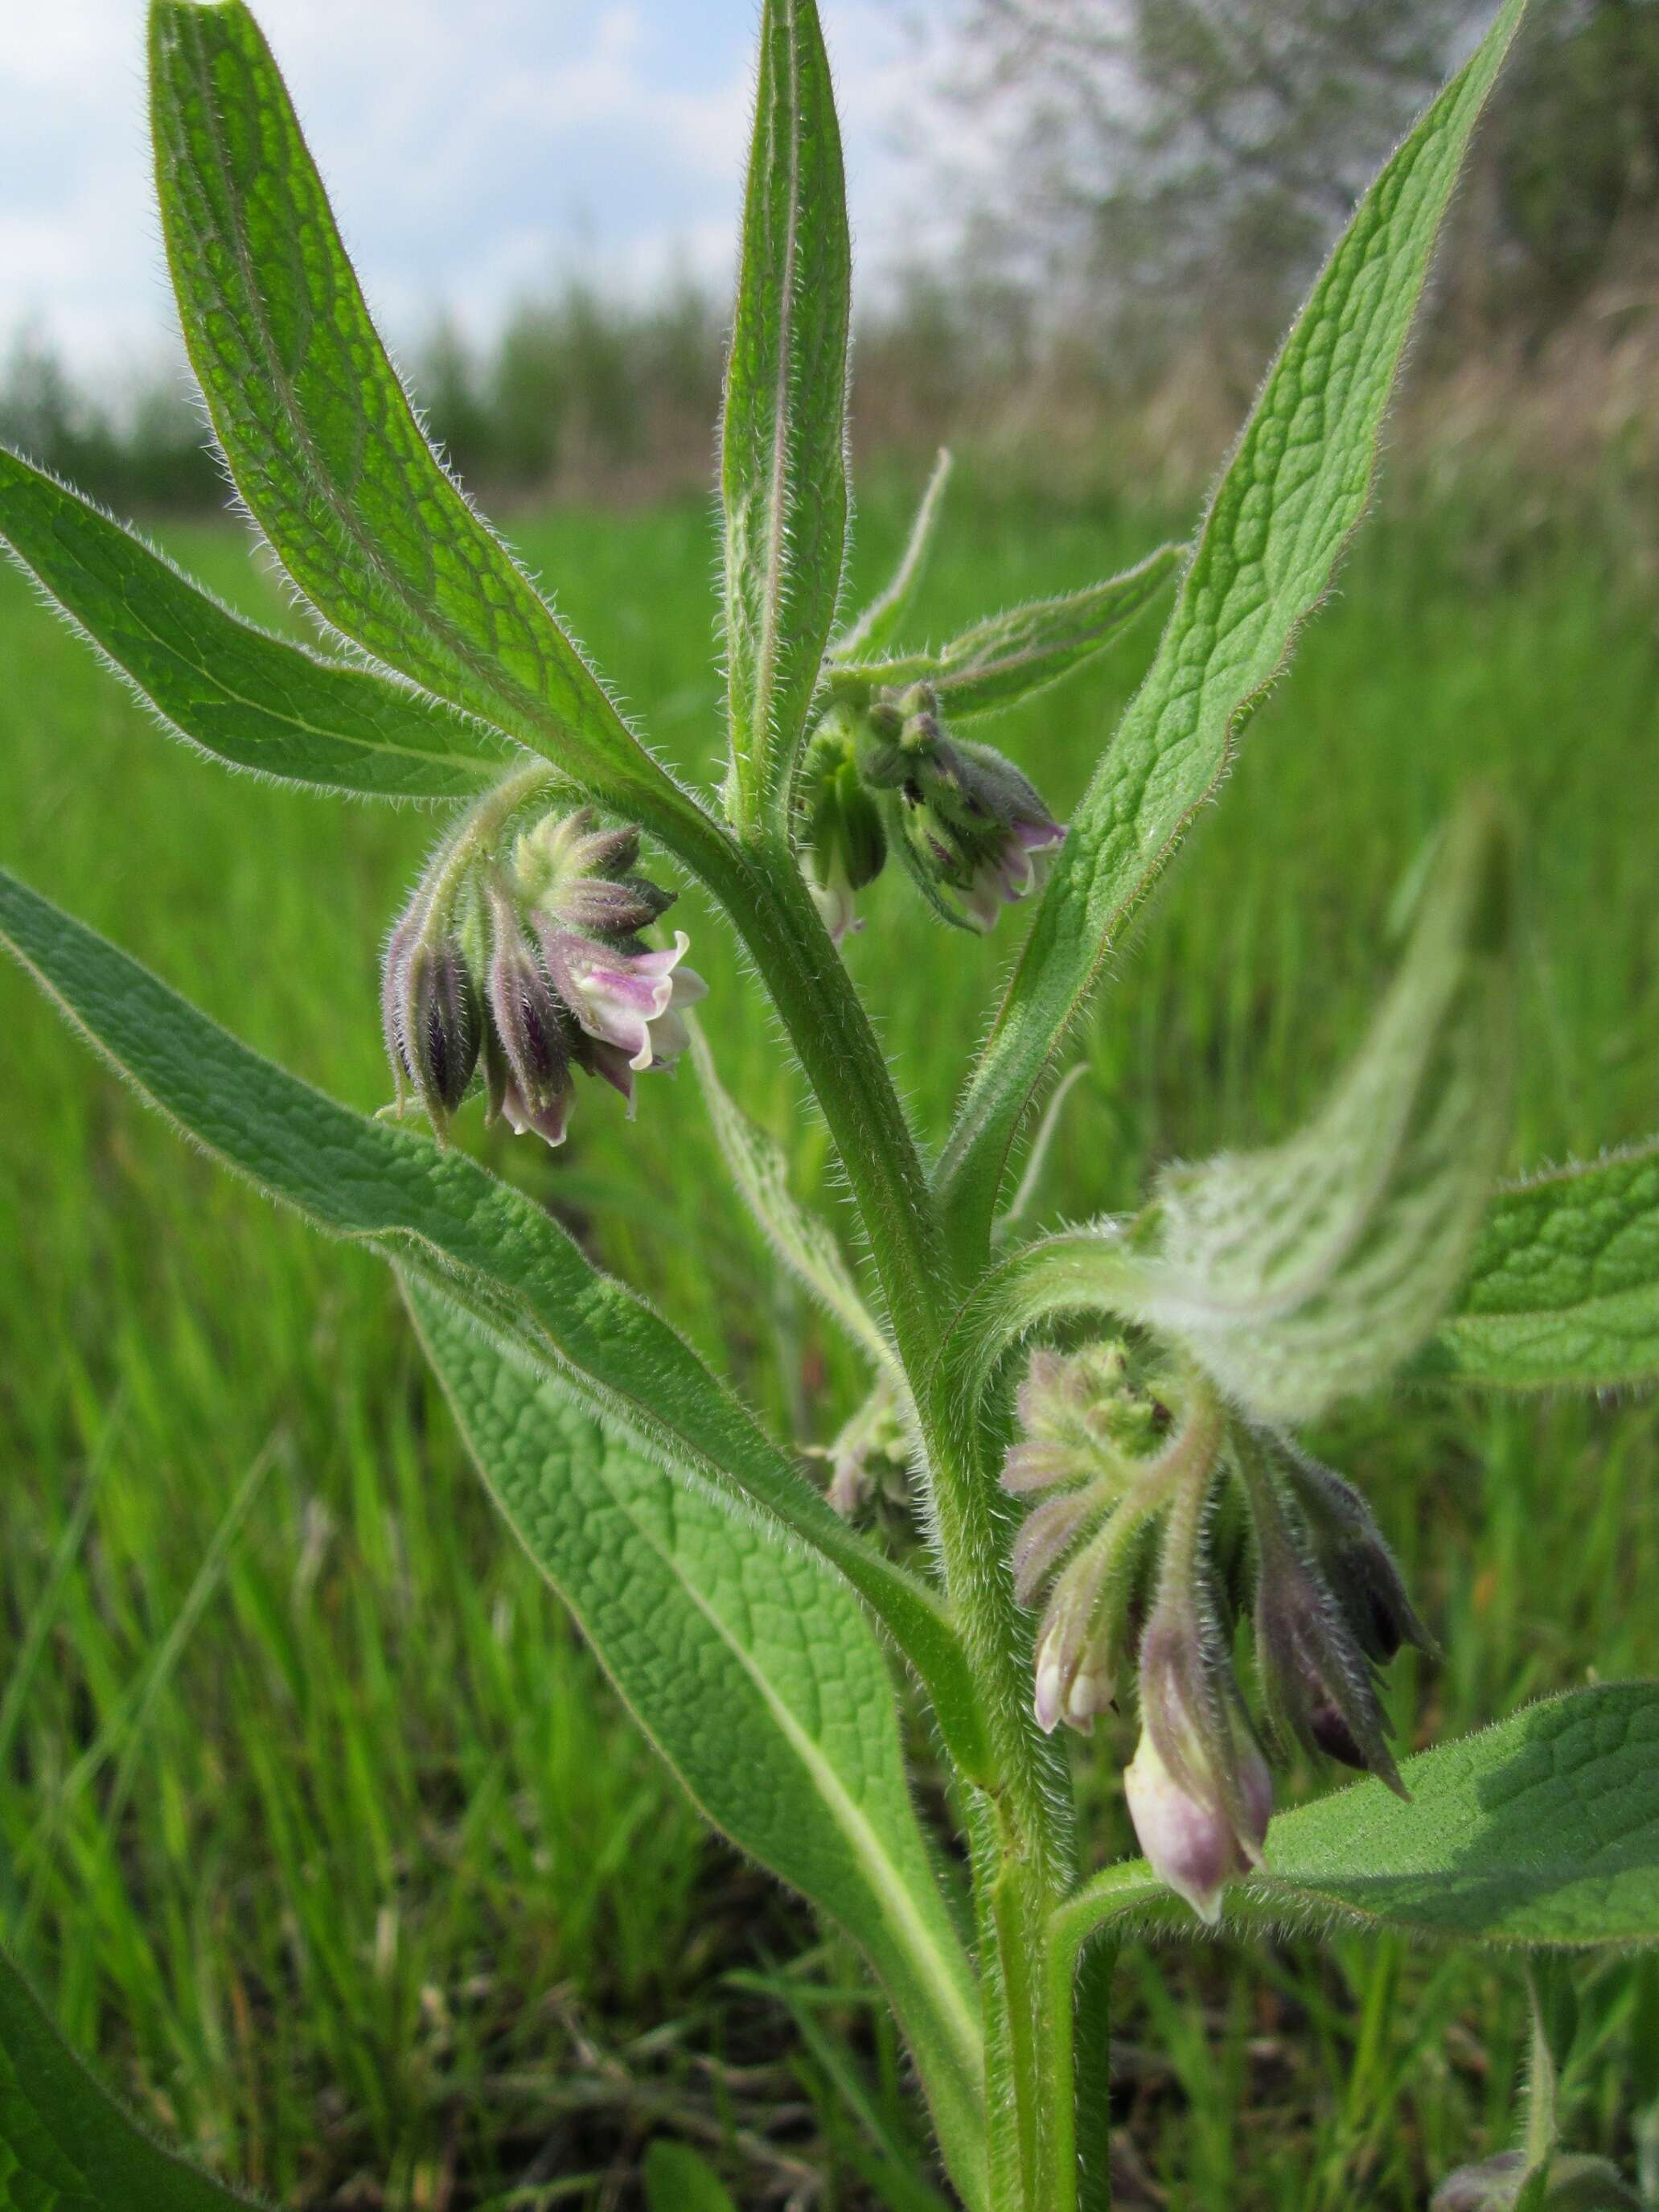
(540, 713)
(777, 533)
(893, 1891)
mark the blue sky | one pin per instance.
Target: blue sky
(476, 150)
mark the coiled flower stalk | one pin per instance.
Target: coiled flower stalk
(522, 954)
(971, 831)
(1161, 1521)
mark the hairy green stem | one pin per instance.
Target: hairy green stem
(1024, 1863)
(1023, 1852)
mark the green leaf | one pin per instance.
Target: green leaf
(806, 1245)
(1564, 1285)
(678, 2180)
(246, 697)
(882, 619)
(1287, 505)
(487, 1245)
(65, 2144)
(319, 432)
(783, 464)
(753, 1670)
(1312, 1272)
(1542, 1830)
(1014, 655)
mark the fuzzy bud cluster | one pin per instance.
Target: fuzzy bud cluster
(971, 830)
(1160, 1524)
(1571, 2184)
(529, 963)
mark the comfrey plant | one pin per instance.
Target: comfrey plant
(1099, 1428)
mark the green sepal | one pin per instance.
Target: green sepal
(1012, 656)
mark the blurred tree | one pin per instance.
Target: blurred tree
(1193, 157)
(1188, 160)
(1576, 158)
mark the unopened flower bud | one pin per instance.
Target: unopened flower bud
(1190, 1841)
(429, 1011)
(1316, 1667)
(846, 843)
(533, 1031)
(976, 832)
(445, 1030)
(1090, 1432)
(1356, 1561)
(1198, 1790)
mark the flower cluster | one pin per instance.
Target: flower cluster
(530, 963)
(1161, 1520)
(974, 834)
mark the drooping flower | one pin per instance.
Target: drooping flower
(629, 999)
(1197, 1788)
(1190, 1840)
(534, 963)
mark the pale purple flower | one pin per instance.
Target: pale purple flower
(630, 1000)
(1188, 1839)
(1013, 870)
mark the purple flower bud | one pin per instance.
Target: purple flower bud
(975, 833)
(1315, 1672)
(1203, 1793)
(533, 1028)
(429, 1014)
(1356, 1561)
(600, 908)
(445, 1030)
(1190, 1840)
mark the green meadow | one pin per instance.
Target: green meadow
(318, 1825)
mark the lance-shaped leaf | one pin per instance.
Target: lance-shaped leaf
(881, 621)
(1286, 508)
(244, 696)
(753, 1670)
(486, 1245)
(1299, 1275)
(806, 1245)
(65, 2144)
(1564, 1285)
(318, 429)
(1541, 1831)
(1013, 655)
(783, 464)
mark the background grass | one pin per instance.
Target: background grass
(315, 1820)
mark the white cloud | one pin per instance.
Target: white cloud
(474, 151)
